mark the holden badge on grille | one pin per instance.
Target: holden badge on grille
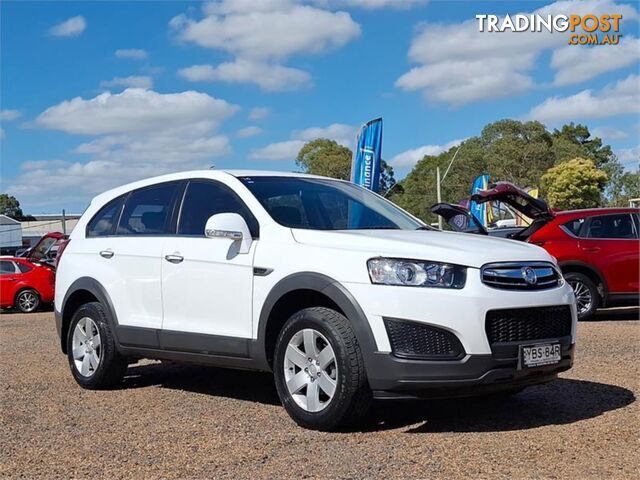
(529, 275)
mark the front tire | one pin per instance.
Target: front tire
(586, 292)
(319, 370)
(27, 301)
(93, 358)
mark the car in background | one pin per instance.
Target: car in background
(597, 249)
(25, 285)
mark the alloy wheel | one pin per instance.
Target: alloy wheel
(86, 345)
(310, 370)
(583, 296)
(27, 301)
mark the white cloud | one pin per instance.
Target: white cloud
(458, 64)
(132, 53)
(258, 113)
(341, 133)
(250, 131)
(72, 27)
(134, 110)
(620, 98)
(8, 115)
(630, 157)
(575, 64)
(137, 134)
(288, 149)
(609, 133)
(269, 77)
(133, 81)
(372, 4)
(409, 158)
(270, 29)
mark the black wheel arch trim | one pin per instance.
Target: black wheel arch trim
(591, 268)
(95, 288)
(332, 289)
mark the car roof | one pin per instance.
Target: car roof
(589, 212)
(209, 173)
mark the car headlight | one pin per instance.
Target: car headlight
(416, 273)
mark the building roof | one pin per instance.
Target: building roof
(4, 220)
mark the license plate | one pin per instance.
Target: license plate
(539, 355)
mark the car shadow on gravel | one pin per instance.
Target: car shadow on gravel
(560, 402)
(616, 315)
(239, 384)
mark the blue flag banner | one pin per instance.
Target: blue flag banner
(365, 168)
(479, 210)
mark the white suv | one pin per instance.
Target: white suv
(340, 293)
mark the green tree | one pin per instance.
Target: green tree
(518, 152)
(10, 206)
(330, 159)
(573, 141)
(510, 150)
(574, 184)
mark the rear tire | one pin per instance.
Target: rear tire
(586, 292)
(93, 358)
(27, 301)
(332, 370)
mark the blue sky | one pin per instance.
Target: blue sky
(96, 94)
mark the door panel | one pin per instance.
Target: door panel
(207, 287)
(610, 244)
(8, 282)
(207, 292)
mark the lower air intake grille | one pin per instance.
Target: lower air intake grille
(524, 324)
(414, 340)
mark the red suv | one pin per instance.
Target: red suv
(26, 283)
(597, 249)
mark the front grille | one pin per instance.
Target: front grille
(415, 340)
(521, 276)
(525, 324)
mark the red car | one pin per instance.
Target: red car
(597, 249)
(26, 283)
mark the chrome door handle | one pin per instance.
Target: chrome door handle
(106, 253)
(174, 258)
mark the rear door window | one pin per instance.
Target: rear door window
(7, 268)
(615, 226)
(148, 211)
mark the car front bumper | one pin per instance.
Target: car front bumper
(462, 313)
(392, 377)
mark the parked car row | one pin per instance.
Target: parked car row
(597, 249)
(27, 282)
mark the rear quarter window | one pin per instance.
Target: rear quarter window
(574, 226)
(24, 268)
(104, 222)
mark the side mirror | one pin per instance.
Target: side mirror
(231, 226)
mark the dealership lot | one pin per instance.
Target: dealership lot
(181, 421)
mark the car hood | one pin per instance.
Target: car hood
(449, 247)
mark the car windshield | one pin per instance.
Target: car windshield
(322, 204)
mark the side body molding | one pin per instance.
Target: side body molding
(213, 349)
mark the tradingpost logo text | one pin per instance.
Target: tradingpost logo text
(584, 29)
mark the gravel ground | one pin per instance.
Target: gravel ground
(171, 421)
